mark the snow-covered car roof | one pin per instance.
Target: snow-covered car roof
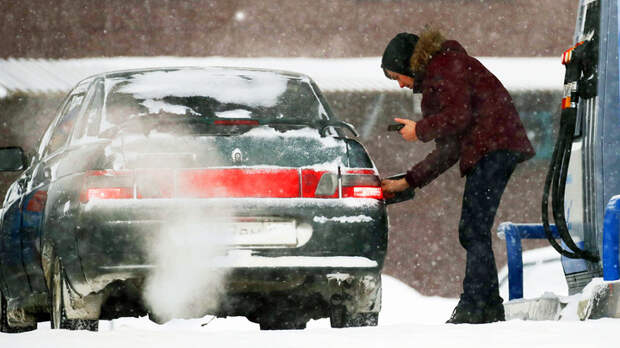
(332, 75)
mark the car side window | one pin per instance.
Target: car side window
(12, 194)
(88, 124)
(62, 109)
(48, 131)
(62, 129)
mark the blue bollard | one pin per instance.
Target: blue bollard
(513, 233)
(611, 237)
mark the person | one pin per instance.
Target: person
(472, 119)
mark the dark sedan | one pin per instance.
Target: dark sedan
(183, 192)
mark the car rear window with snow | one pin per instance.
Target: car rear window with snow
(211, 94)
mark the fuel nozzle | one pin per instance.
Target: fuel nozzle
(580, 80)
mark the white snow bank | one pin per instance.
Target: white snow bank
(335, 74)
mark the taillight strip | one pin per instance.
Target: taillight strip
(354, 183)
(231, 182)
(361, 171)
(108, 184)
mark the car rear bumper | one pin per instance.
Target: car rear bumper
(122, 239)
(263, 262)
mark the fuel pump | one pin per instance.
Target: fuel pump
(580, 81)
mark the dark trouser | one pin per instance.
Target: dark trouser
(483, 191)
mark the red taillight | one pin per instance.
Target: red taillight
(361, 171)
(355, 183)
(363, 184)
(362, 192)
(107, 184)
(237, 182)
(108, 193)
(319, 184)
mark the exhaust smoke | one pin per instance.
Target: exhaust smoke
(185, 283)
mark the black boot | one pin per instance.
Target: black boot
(493, 313)
(466, 313)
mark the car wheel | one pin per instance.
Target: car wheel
(57, 311)
(4, 321)
(4, 325)
(339, 318)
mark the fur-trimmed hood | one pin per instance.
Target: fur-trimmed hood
(429, 43)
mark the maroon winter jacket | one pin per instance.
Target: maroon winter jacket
(468, 112)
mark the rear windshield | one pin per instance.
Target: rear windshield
(211, 94)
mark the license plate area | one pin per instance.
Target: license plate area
(262, 233)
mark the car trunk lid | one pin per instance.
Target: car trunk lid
(262, 162)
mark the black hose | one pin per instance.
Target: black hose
(545, 200)
(556, 183)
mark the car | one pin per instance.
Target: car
(181, 192)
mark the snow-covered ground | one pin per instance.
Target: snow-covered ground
(407, 319)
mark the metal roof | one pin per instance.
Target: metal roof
(334, 74)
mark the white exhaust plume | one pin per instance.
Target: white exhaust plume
(184, 283)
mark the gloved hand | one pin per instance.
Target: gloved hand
(408, 132)
(390, 187)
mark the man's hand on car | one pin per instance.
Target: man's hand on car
(390, 187)
(408, 132)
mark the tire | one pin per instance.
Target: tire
(4, 322)
(363, 319)
(4, 325)
(58, 317)
(340, 318)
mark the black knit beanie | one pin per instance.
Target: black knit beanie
(398, 52)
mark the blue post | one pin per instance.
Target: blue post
(611, 237)
(513, 233)
(514, 259)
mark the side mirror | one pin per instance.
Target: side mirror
(400, 196)
(12, 159)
